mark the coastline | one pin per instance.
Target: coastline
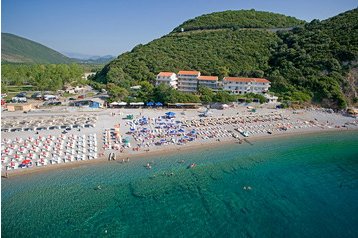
(169, 150)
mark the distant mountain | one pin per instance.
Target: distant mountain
(16, 49)
(77, 55)
(95, 59)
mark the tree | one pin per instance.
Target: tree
(224, 97)
(116, 93)
(206, 94)
(145, 93)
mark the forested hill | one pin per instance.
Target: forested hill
(220, 51)
(318, 62)
(15, 49)
(314, 62)
(239, 19)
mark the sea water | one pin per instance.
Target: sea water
(302, 186)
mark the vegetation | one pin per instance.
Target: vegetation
(314, 62)
(239, 51)
(15, 49)
(251, 96)
(42, 77)
(239, 19)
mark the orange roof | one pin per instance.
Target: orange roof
(246, 80)
(183, 72)
(165, 74)
(208, 78)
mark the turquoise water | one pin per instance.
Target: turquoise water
(304, 186)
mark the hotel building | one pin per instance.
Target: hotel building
(236, 85)
(188, 81)
(211, 82)
(168, 78)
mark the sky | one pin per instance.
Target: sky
(111, 27)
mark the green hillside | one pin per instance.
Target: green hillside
(238, 51)
(15, 49)
(239, 19)
(315, 62)
(308, 63)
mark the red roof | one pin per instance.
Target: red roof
(183, 72)
(246, 80)
(165, 74)
(208, 78)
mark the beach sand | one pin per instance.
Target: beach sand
(324, 122)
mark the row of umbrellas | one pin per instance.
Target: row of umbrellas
(157, 104)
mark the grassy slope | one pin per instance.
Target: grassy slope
(15, 49)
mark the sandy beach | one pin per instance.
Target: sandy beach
(221, 127)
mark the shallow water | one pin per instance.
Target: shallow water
(304, 186)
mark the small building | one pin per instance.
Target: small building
(209, 81)
(237, 85)
(93, 103)
(271, 98)
(188, 81)
(25, 107)
(168, 78)
(86, 75)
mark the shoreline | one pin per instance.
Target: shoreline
(167, 150)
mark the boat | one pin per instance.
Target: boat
(191, 165)
(148, 166)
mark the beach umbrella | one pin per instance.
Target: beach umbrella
(158, 104)
(170, 114)
(26, 161)
(150, 104)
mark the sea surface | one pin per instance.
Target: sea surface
(301, 186)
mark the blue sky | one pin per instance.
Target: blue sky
(100, 27)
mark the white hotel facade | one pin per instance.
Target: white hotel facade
(190, 81)
(168, 78)
(237, 85)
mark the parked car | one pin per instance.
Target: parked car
(50, 97)
(37, 95)
(21, 95)
(81, 97)
(19, 99)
